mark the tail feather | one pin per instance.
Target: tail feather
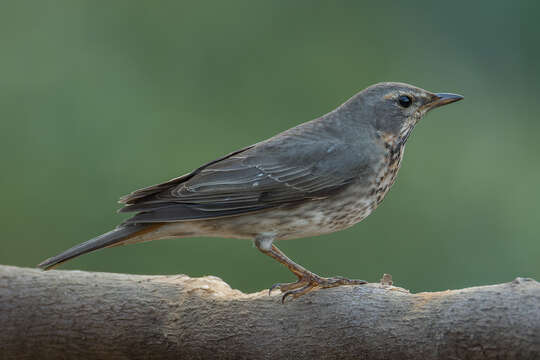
(108, 239)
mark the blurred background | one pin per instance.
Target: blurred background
(98, 99)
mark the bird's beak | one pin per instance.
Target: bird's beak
(441, 99)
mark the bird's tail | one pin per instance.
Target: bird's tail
(111, 238)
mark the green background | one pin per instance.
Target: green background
(100, 98)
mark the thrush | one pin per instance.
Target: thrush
(319, 177)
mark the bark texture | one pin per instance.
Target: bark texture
(82, 315)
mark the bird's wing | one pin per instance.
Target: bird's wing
(285, 169)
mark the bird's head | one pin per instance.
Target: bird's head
(395, 108)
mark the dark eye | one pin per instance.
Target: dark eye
(405, 101)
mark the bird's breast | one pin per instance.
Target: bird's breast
(351, 205)
(388, 169)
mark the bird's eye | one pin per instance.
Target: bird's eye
(405, 101)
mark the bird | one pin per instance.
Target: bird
(318, 177)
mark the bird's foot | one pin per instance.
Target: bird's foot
(308, 282)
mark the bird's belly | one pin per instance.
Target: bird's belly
(309, 218)
(323, 217)
(287, 222)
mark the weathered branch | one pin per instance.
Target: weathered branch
(74, 314)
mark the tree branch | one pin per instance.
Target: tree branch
(82, 315)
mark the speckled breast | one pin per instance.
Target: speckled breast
(389, 168)
(353, 205)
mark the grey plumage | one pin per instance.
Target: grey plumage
(101, 241)
(297, 165)
(318, 177)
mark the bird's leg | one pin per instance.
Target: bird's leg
(307, 281)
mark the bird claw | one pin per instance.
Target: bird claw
(309, 282)
(296, 293)
(286, 287)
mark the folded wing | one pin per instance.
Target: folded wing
(292, 167)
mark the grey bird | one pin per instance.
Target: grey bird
(319, 177)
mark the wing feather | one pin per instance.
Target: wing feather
(291, 167)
